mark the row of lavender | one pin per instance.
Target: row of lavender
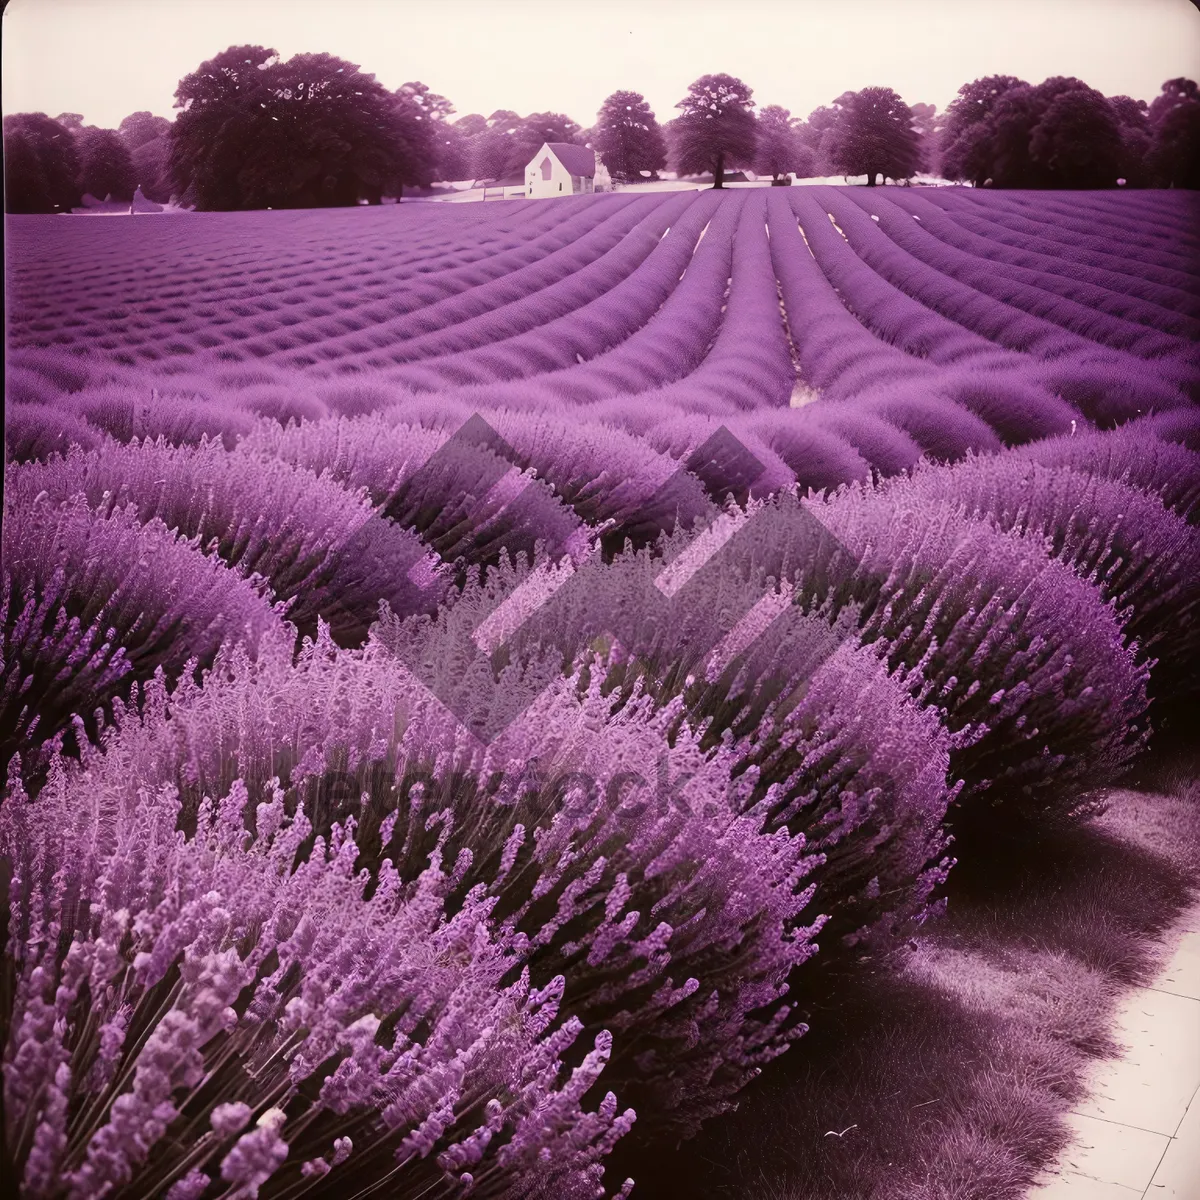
(943, 313)
(299, 927)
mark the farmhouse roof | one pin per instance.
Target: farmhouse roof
(578, 160)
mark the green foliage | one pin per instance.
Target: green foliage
(105, 164)
(41, 164)
(925, 122)
(1133, 124)
(965, 141)
(716, 129)
(255, 132)
(779, 149)
(151, 166)
(533, 131)
(628, 138)
(874, 135)
(1060, 133)
(488, 149)
(1077, 141)
(1174, 156)
(141, 127)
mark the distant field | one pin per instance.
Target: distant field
(1011, 314)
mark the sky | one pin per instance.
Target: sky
(108, 58)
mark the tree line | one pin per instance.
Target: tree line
(254, 131)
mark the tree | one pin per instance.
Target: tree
(1060, 133)
(26, 188)
(778, 148)
(435, 107)
(212, 137)
(149, 141)
(925, 123)
(1174, 93)
(141, 127)
(627, 137)
(966, 139)
(440, 151)
(1077, 141)
(490, 148)
(874, 135)
(471, 124)
(816, 133)
(715, 128)
(1174, 119)
(456, 145)
(255, 132)
(71, 121)
(452, 152)
(41, 165)
(105, 164)
(417, 120)
(1133, 123)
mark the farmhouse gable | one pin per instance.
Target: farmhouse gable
(560, 169)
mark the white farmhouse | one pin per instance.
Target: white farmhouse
(560, 169)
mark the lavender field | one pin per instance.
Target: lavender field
(488, 689)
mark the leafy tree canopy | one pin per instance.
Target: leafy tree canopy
(433, 106)
(779, 151)
(41, 164)
(627, 136)
(1175, 93)
(256, 132)
(530, 133)
(1173, 158)
(151, 163)
(1059, 133)
(716, 128)
(1077, 141)
(141, 127)
(874, 135)
(471, 124)
(105, 164)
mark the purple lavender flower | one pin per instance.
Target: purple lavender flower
(1130, 455)
(638, 900)
(319, 545)
(214, 1009)
(91, 605)
(1139, 554)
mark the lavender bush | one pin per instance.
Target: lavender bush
(1030, 667)
(318, 544)
(619, 891)
(1130, 456)
(1080, 312)
(34, 432)
(1121, 293)
(91, 604)
(1140, 555)
(1002, 222)
(209, 1011)
(861, 766)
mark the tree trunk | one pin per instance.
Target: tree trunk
(871, 178)
(719, 172)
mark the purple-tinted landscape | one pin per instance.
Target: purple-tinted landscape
(660, 691)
